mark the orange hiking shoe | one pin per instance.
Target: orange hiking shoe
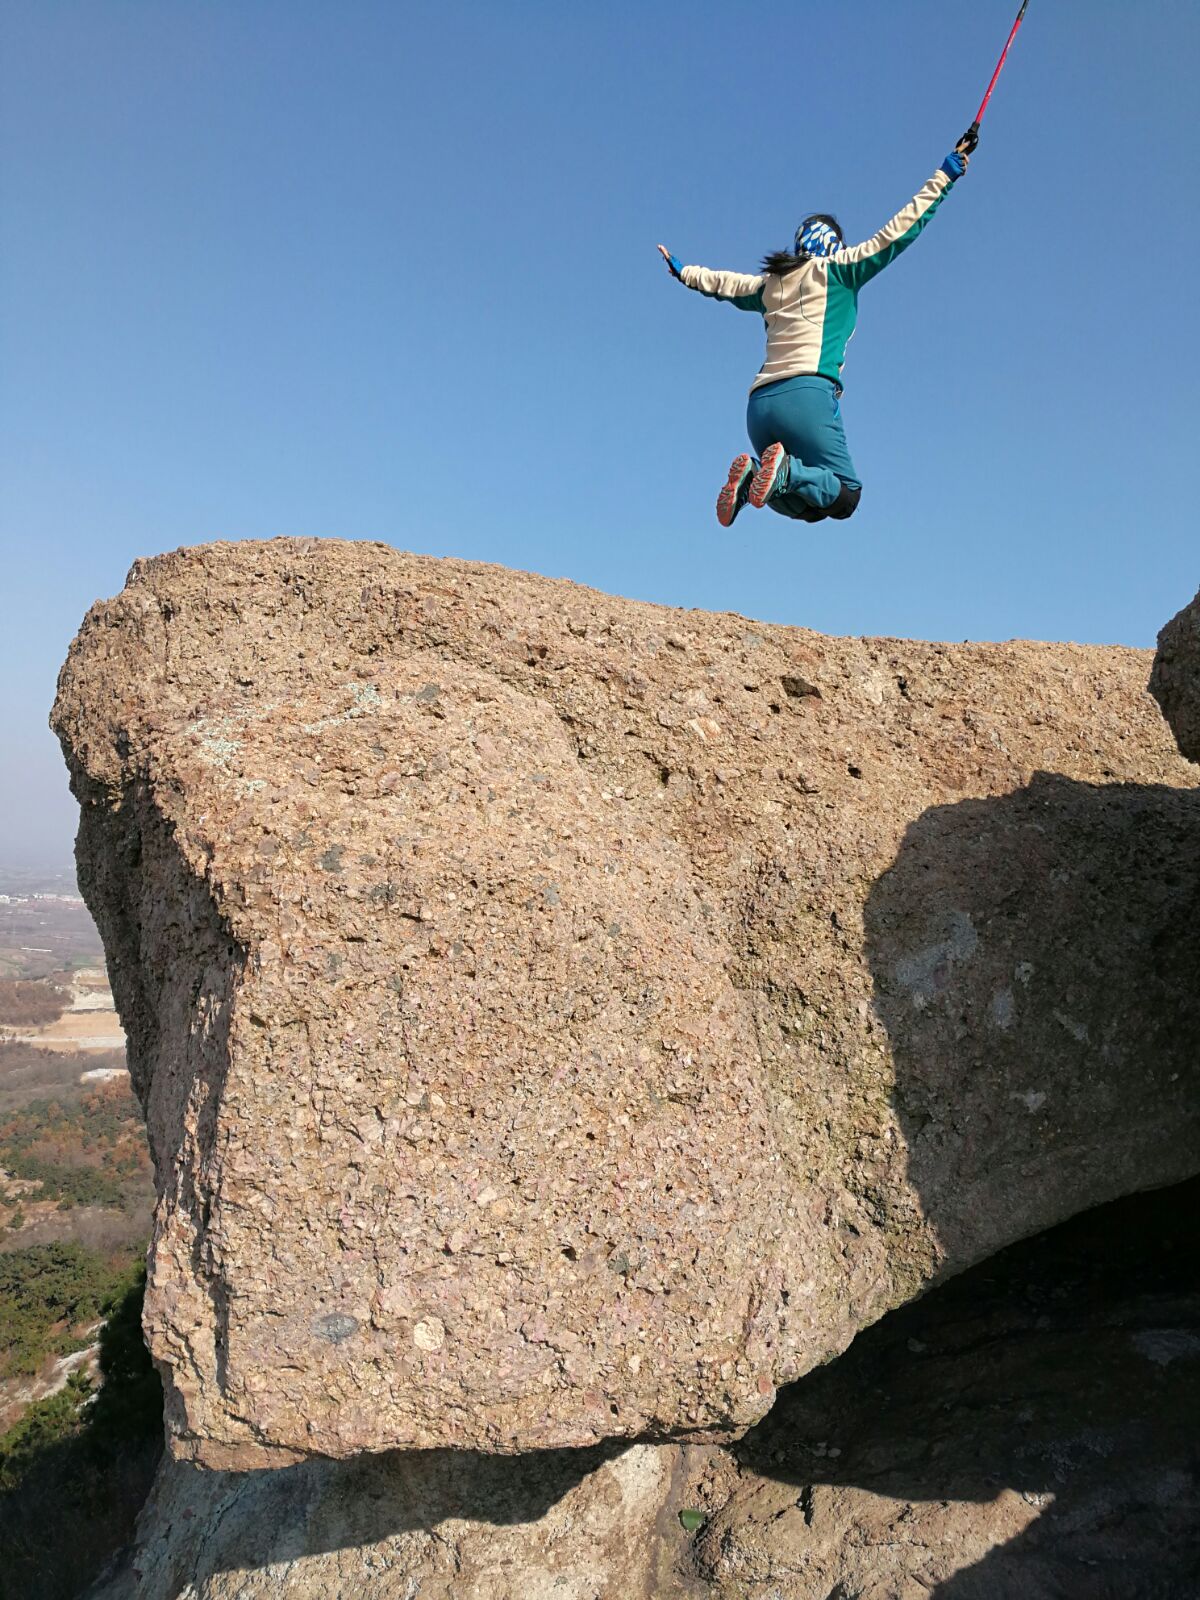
(771, 475)
(737, 486)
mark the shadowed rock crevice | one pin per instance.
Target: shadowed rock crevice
(1047, 941)
(174, 967)
(1025, 1432)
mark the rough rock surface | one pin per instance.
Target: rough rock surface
(1175, 680)
(560, 1018)
(438, 1525)
(1024, 1432)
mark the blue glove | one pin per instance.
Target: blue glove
(675, 265)
(954, 166)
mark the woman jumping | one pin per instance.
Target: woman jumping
(808, 297)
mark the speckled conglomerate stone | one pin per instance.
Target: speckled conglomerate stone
(1175, 680)
(561, 1018)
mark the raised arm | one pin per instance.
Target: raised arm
(739, 288)
(862, 262)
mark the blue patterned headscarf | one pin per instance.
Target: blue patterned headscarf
(814, 238)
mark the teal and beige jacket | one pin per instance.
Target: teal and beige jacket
(810, 313)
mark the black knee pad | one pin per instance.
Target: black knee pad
(846, 503)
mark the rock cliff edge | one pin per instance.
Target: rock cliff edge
(561, 1019)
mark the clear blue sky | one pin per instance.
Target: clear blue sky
(387, 270)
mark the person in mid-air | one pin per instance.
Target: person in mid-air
(808, 297)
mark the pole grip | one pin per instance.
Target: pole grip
(970, 139)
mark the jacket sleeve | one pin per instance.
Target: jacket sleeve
(738, 288)
(862, 262)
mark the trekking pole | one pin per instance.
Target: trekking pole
(971, 138)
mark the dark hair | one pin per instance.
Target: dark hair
(781, 261)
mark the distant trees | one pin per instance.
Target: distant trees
(28, 1004)
(48, 1294)
(28, 1073)
(90, 1151)
(76, 1467)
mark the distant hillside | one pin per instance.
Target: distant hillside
(80, 1405)
(25, 1004)
(75, 1468)
(44, 926)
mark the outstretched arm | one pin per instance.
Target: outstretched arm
(739, 288)
(862, 262)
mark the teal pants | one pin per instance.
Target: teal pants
(805, 417)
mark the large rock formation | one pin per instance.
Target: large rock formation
(1175, 681)
(560, 1018)
(1024, 1432)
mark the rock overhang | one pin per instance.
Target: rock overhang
(519, 980)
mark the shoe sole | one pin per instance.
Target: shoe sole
(729, 501)
(764, 478)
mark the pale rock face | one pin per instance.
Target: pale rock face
(562, 1019)
(438, 1525)
(1175, 681)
